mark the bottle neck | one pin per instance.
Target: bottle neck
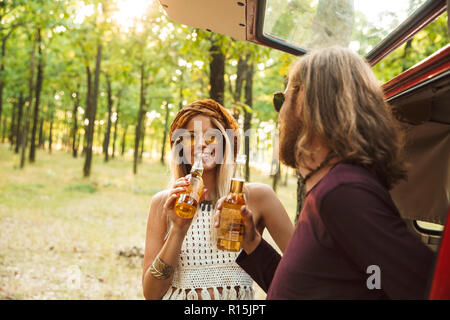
(197, 168)
(196, 173)
(237, 185)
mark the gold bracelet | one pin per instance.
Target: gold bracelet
(160, 270)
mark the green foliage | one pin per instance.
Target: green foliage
(86, 188)
(423, 44)
(175, 58)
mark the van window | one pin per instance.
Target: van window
(360, 24)
(426, 42)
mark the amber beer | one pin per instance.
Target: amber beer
(231, 228)
(187, 202)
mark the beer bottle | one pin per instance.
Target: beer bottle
(187, 202)
(231, 228)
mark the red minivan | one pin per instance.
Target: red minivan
(419, 96)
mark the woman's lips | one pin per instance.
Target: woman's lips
(208, 157)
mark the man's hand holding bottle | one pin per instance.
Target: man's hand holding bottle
(251, 238)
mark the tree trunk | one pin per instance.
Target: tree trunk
(286, 177)
(39, 80)
(108, 126)
(24, 139)
(78, 141)
(19, 123)
(4, 130)
(122, 152)
(216, 73)
(115, 125)
(92, 113)
(30, 101)
(88, 107)
(12, 127)
(99, 138)
(139, 120)
(240, 77)
(408, 48)
(247, 114)
(166, 128)
(2, 59)
(141, 153)
(276, 174)
(275, 180)
(75, 125)
(113, 154)
(66, 136)
(50, 134)
(41, 133)
(180, 104)
(2, 69)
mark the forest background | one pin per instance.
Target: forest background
(88, 90)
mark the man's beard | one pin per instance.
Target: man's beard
(289, 135)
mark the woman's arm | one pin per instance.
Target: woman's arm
(269, 213)
(257, 258)
(263, 209)
(154, 242)
(168, 250)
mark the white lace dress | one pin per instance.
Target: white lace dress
(202, 266)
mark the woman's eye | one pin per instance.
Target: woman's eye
(210, 139)
(187, 139)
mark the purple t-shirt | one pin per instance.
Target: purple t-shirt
(350, 243)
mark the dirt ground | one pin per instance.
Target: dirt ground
(66, 237)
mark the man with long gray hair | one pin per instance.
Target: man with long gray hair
(350, 241)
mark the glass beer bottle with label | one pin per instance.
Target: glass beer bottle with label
(231, 228)
(187, 202)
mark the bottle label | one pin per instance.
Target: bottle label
(195, 188)
(231, 226)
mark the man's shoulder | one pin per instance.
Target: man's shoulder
(348, 176)
(352, 191)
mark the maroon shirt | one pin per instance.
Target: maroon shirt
(349, 222)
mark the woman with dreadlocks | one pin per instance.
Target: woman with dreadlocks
(181, 258)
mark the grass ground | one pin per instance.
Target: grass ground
(63, 236)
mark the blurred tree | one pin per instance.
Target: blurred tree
(424, 43)
(11, 17)
(114, 82)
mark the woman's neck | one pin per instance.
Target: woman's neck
(209, 181)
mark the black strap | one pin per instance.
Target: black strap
(301, 184)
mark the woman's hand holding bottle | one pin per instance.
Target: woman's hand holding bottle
(180, 186)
